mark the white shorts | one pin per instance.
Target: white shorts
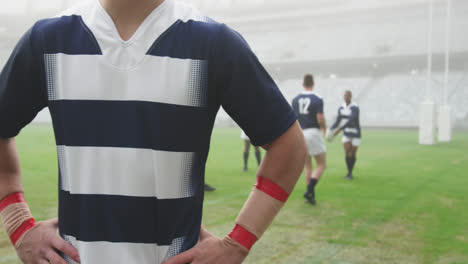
(354, 141)
(244, 136)
(314, 140)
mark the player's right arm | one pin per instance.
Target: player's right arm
(337, 121)
(336, 124)
(321, 118)
(34, 242)
(21, 98)
(249, 95)
(322, 123)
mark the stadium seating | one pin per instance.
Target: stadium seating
(390, 101)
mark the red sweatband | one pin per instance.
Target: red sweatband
(11, 199)
(272, 189)
(243, 237)
(16, 216)
(15, 236)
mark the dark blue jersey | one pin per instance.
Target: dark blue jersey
(348, 120)
(307, 105)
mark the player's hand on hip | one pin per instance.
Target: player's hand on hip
(41, 245)
(212, 250)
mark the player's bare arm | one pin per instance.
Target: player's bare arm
(10, 179)
(322, 123)
(34, 242)
(281, 167)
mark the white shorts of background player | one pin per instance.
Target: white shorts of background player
(315, 142)
(354, 140)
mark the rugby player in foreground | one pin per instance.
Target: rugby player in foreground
(133, 88)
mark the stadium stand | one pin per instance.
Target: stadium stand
(375, 54)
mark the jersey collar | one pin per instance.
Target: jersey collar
(122, 54)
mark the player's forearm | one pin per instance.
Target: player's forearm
(276, 179)
(10, 173)
(323, 126)
(15, 214)
(336, 123)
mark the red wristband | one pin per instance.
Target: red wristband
(11, 199)
(16, 198)
(272, 189)
(15, 236)
(243, 237)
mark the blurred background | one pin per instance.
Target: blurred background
(377, 49)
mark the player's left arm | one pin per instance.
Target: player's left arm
(322, 123)
(321, 118)
(276, 178)
(250, 96)
(337, 120)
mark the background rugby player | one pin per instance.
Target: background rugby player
(309, 109)
(348, 122)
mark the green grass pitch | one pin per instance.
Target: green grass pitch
(408, 203)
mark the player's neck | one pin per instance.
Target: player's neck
(308, 89)
(129, 14)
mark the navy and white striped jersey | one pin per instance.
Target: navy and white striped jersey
(133, 120)
(348, 120)
(307, 105)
